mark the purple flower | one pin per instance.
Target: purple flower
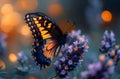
(112, 36)
(84, 74)
(98, 66)
(108, 42)
(63, 72)
(2, 40)
(70, 48)
(71, 55)
(91, 67)
(20, 54)
(56, 62)
(75, 43)
(62, 59)
(102, 42)
(107, 45)
(70, 62)
(2, 43)
(111, 70)
(99, 70)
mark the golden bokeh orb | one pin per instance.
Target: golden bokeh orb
(10, 21)
(31, 77)
(55, 9)
(12, 57)
(102, 57)
(106, 16)
(6, 9)
(2, 64)
(24, 30)
(27, 4)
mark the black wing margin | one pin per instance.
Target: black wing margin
(42, 27)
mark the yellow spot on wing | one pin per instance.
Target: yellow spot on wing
(46, 36)
(38, 25)
(49, 25)
(36, 22)
(45, 22)
(40, 18)
(34, 19)
(41, 28)
(43, 32)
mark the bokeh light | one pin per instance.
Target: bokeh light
(106, 16)
(55, 9)
(27, 4)
(2, 64)
(12, 57)
(10, 21)
(4, 1)
(102, 57)
(6, 8)
(24, 30)
(31, 77)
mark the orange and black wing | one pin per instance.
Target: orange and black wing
(46, 34)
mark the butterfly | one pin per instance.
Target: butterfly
(48, 38)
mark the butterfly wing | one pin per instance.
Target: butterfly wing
(43, 28)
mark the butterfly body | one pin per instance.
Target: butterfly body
(48, 37)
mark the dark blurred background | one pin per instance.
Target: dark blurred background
(92, 17)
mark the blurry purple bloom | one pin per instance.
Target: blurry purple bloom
(98, 66)
(74, 77)
(60, 54)
(62, 59)
(70, 62)
(84, 74)
(111, 70)
(2, 40)
(74, 33)
(92, 72)
(2, 43)
(102, 42)
(118, 52)
(98, 70)
(91, 67)
(75, 43)
(107, 45)
(80, 62)
(108, 42)
(112, 36)
(56, 62)
(63, 72)
(70, 48)
(20, 54)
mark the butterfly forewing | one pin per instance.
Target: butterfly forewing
(43, 28)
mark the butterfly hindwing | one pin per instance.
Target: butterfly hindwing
(43, 28)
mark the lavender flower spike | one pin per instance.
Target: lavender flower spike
(108, 42)
(71, 55)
